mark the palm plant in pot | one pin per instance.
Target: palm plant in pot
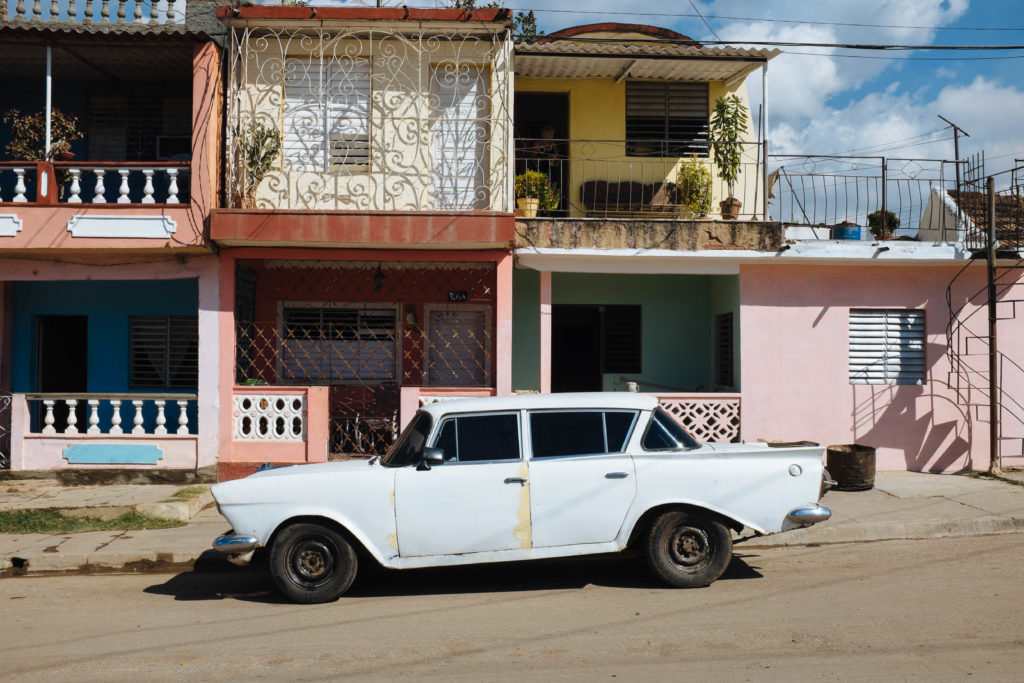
(728, 126)
(258, 147)
(534, 191)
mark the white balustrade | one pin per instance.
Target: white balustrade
(19, 185)
(72, 427)
(137, 420)
(94, 416)
(123, 190)
(182, 415)
(147, 190)
(106, 421)
(713, 418)
(48, 419)
(172, 187)
(161, 419)
(75, 190)
(115, 418)
(83, 13)
(269, 417)
(100, 188)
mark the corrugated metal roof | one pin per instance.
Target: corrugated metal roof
(571, 59)
(77, 28)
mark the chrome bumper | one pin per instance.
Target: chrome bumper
(809, 514)
(238, 549)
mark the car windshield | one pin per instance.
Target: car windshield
(665, 433)
(409, 447)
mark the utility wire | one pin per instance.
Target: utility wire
(704, 20)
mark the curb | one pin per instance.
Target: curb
(182, 511)
(890, 531)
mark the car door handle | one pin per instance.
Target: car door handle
(516, 480)
(616, 475)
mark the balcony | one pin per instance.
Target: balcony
(68, 182)
(611, 197)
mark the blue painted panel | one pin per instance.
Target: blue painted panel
(112, 454)
(109, 304)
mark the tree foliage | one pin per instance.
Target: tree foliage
(524, 24)
(28, 133)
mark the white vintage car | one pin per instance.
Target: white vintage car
(520, 478)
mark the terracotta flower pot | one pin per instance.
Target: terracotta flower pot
(63, 155)
(730, 209)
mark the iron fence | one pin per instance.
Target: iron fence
(5, 432)
(364, 329)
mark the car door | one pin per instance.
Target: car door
(477, 501)
(582, 481)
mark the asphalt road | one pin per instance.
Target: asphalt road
(940, 609)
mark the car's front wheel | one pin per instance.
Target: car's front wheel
(688, 550)
(312, 563)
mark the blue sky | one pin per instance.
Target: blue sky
(827, 103)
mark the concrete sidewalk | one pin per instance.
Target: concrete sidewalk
(902, 505)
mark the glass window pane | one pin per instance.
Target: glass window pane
(565, 433)
(664, 432)
(618, 427)
(488, 437)
(446, 440)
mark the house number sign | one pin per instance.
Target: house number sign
(458, 295)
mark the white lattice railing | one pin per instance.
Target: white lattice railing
(712, 418)
(269, 417)
(113, 414)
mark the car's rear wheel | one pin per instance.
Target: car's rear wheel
(688, 550)
(312, 563)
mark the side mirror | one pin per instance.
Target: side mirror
(431, 457)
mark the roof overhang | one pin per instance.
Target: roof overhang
(617, 60)
(404, 18)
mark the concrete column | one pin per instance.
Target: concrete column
(545, 332)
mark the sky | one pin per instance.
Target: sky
(836, 101)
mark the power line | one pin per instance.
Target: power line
(913, 59)
(717, 37)
(770, 20)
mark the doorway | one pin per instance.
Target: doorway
(62, 364)
(575, 348)
(542, 139)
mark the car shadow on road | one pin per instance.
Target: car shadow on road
(212, 578)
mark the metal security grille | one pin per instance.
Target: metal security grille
(165, 352)
(365, 329)
(666, 118)
(887, 346)
(5, 431)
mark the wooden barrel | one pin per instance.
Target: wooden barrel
(852, 466)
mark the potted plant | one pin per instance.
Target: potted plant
(534, 191)
(694, 181)
(728, 126)
(892, 222)
(28, 135)
(258, 147)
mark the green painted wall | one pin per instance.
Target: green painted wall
(678, 324)
(676, 346)
(525, 330)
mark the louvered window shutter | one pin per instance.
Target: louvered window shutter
(887, 346)
(666, 119)
(164, 352)
(326, 114)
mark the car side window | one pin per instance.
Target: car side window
(664, 433)
(480, 438)
(584, 432)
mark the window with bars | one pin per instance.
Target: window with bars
(326, 113)
(887, 346)
(338, 344)
(164, 352)
(666, 118)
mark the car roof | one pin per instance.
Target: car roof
(619, 400)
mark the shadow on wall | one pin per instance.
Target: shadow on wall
(934, 433)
